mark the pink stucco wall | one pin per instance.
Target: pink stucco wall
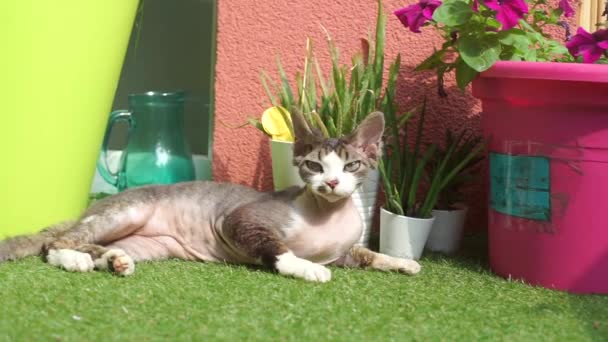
(252, 32)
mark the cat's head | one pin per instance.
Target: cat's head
(333, 168)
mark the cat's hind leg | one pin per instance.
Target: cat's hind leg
(257, 237)
(80, 249)
(119, 257)
(86, 257)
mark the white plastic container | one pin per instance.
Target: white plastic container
(365, 198)
(446, 234)
(403, 236)
(284, 174)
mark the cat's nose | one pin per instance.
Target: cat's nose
(332, 183)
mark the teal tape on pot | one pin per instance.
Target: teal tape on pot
(520, 186)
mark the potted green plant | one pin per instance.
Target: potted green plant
(451, 210)
(406, 218)
(478, 34)
(346, 97)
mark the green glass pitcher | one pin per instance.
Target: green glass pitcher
(157, 151)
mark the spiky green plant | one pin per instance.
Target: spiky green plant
(464, 143)
(403, 167)
(347, 96)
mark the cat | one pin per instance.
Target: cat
(295, 232)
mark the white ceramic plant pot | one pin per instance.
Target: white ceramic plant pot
(284, 174)
(364, 199)
(446, 233)
(403, 236)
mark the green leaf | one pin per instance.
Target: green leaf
(462, 164)
(322, 82)
(379, 48)
(411, 202)
(287, 118)
(404, 118)
(464, 74)
(392, 75)
(431, 62)
(516, 58)
(555, 14)
(319, 123)
(453, 13)
(286, 93)
(493, 23)
(257, 124)
(397, 208)
(539, 15)
(269, 92)
(516, 38)
(479, 53)
(331, 127)
(507, 53)
(530, 55)
(557, 48)
(299, 89)
(309, 93)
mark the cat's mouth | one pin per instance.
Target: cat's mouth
(331, 195)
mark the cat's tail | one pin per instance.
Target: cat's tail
(26, 245)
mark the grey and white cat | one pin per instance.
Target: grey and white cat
(295, 232)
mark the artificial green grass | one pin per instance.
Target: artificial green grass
(453, 299)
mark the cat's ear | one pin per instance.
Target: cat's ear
(367, 137)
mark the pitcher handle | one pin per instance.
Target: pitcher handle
(102, 165)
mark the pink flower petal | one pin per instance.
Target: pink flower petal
(591, 54)
(508, 12)
(415, 15)
(601, 35)
(565, 6)
(588, 46)
(492, 4)
(507, 17)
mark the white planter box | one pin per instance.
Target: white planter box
(403, 236)
(446, 233)
(365, 198)
(284, 174)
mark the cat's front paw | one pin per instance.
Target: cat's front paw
(117, 261)
(289, 264)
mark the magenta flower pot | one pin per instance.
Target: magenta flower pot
(547, 125)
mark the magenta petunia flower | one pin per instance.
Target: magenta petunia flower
(565, 6)
(508, 12)
(476, 5)
(590, 46)
(414, 16)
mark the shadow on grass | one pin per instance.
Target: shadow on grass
(472, 254)
(592, 309)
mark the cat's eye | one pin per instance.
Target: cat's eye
(314, 166)
(352, 166)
